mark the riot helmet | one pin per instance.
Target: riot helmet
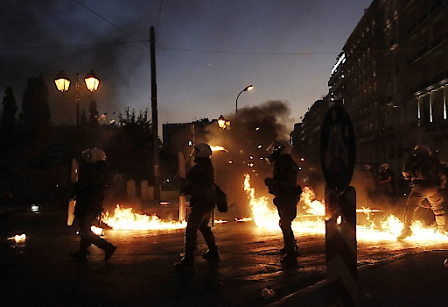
(93, 155)
(421, 149)
(276, 149)
(202, 150)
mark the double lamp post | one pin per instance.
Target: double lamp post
(62, 83)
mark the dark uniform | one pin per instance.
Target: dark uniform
(386, 181)
(427, 178)
(283, 185)
(200, 184)
(90, 188)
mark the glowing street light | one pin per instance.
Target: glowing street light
(223, 123)
(62, 83)
(247, 88)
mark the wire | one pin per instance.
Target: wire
(158, 16)
(109, 22)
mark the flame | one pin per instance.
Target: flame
(221, 222)
(262, 215)
(218, 148)
(310, 220)
(97, 230)
(124, 218)
(375, 228)
(18, 238)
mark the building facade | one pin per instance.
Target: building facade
(392, 76)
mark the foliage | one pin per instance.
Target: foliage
(8, 120)
(35, 107)
(93, 118)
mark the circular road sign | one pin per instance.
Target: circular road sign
(337, 149)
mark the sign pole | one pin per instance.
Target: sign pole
(338, 161)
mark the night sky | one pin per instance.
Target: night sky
(207, 51)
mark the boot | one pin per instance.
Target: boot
(80, 256)
(109, 251)
(440, 221)
(283, 250)
(289, 258)
(186, 263)
(211, 254)
(406, 232)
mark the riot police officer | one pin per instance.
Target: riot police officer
(427, 178)
(90, 188)
(283, 185)
(200, 184)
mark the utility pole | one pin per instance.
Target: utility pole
(155, 122)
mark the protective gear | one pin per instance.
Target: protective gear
(185, 263)
(202, 150)
(421, 149)
(427, 177)
(283, 185)
(280, 146)
(90, 189)
(93, 155)
(406, 232)
(200, 184)
(290, 258)
(211, 254)
(384, 166)
(277, 148)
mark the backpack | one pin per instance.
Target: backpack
(221, 200)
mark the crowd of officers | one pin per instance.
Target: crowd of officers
(425, 173)
(199, 184)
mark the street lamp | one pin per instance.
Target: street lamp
(62, 83)
(247, 88)
(223, 123)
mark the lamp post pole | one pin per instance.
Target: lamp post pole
(247, 88)
(77, 99)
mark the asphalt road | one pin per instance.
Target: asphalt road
(141, 272)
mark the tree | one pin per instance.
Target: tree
(35, 120)
(133, 143)
(83, 118)
(8, 120)
(35, 106)
(93, 118)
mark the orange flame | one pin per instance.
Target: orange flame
(218, 148)
(376, 227)
(124, 218)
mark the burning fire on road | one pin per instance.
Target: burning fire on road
(310, 219)
(313, 221)
(124, 218)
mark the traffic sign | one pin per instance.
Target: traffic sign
(337, 149)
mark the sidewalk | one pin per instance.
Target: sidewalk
(416, 280)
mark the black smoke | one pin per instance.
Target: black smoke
(46, 36)
(246, 142)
